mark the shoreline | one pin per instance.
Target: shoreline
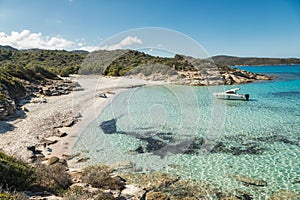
(88, 103)
(64, 115)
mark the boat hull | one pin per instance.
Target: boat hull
(232, 96)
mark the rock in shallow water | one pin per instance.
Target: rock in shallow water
(285, 195)
(109, 126)
(251, 181)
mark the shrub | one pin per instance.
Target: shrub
(53, 178)
(99, 176)
(12, 196)
(7, 196)
(78, 192)
(15, 174)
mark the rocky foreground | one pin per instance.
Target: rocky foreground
(52, 179)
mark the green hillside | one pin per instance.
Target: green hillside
(57, 61)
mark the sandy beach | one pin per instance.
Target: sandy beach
(47, 119)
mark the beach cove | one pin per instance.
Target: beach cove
(243, 148)
(159, 129)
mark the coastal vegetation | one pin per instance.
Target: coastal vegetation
(119, 62)
(29, 73)
(18, 82)
(59, 62)
(25, 72)
(239, 61)
(17, 176)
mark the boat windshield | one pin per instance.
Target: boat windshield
(230, 92)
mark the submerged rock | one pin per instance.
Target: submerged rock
(278, 138)
(153, 144)
(248, 148)
(251, 181)
(285, 194)
(109, 126)
(194, 147)
(225, 196)
(140, 149)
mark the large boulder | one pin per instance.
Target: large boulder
(150, 181)
(133, 192)
(188, 189)
(52, 160)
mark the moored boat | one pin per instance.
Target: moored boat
(232, 95)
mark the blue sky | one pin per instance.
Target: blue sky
(233, 27)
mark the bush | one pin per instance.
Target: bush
(12, 196)
(7, 196)
(99, 177)
(15, 174)
(78, 192)
(53, 178)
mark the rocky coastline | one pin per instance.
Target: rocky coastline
(115, 184)
(215, 77)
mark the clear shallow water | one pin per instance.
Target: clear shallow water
(184, 130)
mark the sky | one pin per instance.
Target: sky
(263, 28)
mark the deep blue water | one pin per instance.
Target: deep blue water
(184, 130)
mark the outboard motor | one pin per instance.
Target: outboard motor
(247, 97)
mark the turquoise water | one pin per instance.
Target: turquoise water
(184, 130)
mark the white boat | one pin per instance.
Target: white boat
(232, 95)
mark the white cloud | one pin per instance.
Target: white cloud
(126, 42)
(27, 40)
(129, 40)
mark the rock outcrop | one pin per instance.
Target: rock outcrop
(57, 87)
(7, 105)
(13, 98)
(214, 75)
(201, 72)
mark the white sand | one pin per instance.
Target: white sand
(18, 134)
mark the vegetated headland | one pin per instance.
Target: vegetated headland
(31, 81)
(24, 72)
